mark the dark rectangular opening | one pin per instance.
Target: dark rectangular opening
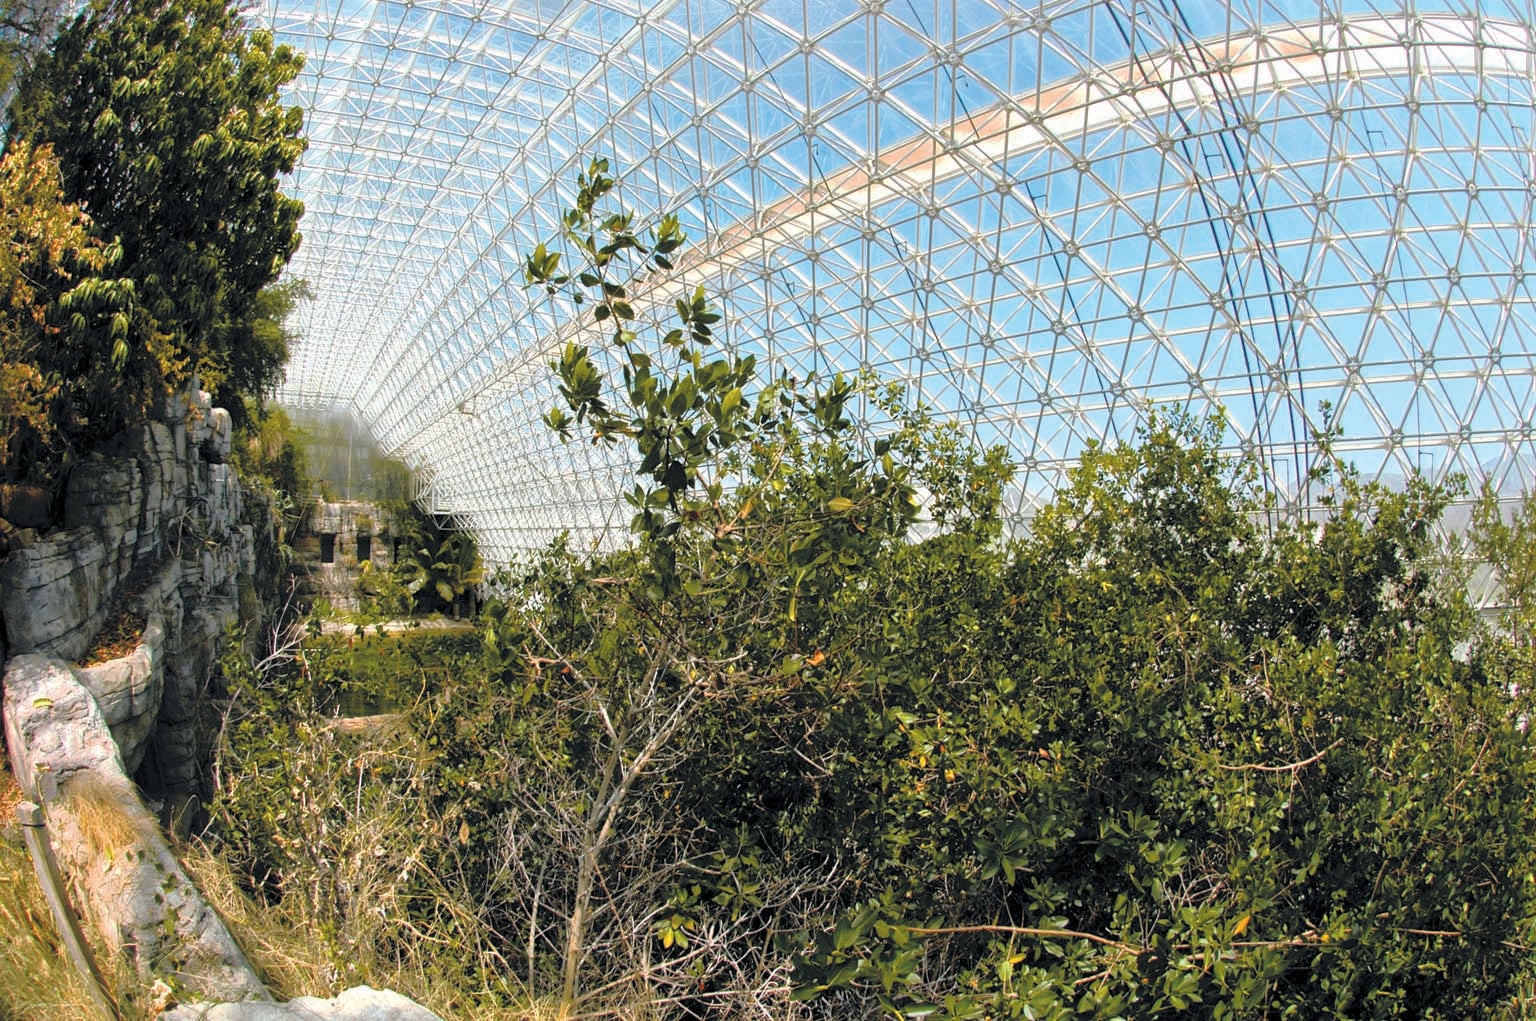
(327, 547)
(364, 548)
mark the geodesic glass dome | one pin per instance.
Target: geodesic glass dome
(1044, 217)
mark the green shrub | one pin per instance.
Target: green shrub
(1194, 770)
(785, 757)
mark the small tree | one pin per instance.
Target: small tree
(755, 513)
(443, 569)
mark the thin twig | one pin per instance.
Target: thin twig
(1291, 767)
(1016, 930)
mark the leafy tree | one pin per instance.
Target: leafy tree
(166, 120)
(270, 455)
(60, 300)
(256, 345)
(1203, 772)
(1152, 760)
(789, 756)
(759, 518)
(26, 27)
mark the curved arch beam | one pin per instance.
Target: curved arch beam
(1140, 89)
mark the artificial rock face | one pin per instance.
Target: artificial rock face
(343, 540)
(157, 526)
(163, 524)
(159, 523)
(128, 884)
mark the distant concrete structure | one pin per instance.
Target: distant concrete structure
(342, 541)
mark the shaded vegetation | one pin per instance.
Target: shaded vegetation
(377, 671)
(62, 296)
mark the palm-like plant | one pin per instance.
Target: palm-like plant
(446, 568)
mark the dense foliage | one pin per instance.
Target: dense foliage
(440, 569)
(166, 124)
(821, 743)
(58, 292)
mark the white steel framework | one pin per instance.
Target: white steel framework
(1045, 218)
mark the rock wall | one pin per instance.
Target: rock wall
(338, 528)
(153, 525)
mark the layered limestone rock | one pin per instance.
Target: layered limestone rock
(154, 520)
(160, 523)
(128, 691)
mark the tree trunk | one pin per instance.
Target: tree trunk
(586, 872)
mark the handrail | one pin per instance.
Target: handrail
(35, 830)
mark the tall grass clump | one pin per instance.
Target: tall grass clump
(37, 980)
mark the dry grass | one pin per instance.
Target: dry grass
(108, 812)
(281, 941)
(291, 960)
(118, 638)
(10, 794)
(37, 981)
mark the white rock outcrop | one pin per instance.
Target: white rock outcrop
(128, 884)
(357, 1004)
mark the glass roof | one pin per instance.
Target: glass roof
(1044, 217)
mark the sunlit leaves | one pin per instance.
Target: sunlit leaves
(66, 336)
(1213, 752)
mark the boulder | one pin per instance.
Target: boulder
(53, 593)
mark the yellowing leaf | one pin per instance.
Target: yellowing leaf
(464, 832)
(839, 505)
(1241, 926)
